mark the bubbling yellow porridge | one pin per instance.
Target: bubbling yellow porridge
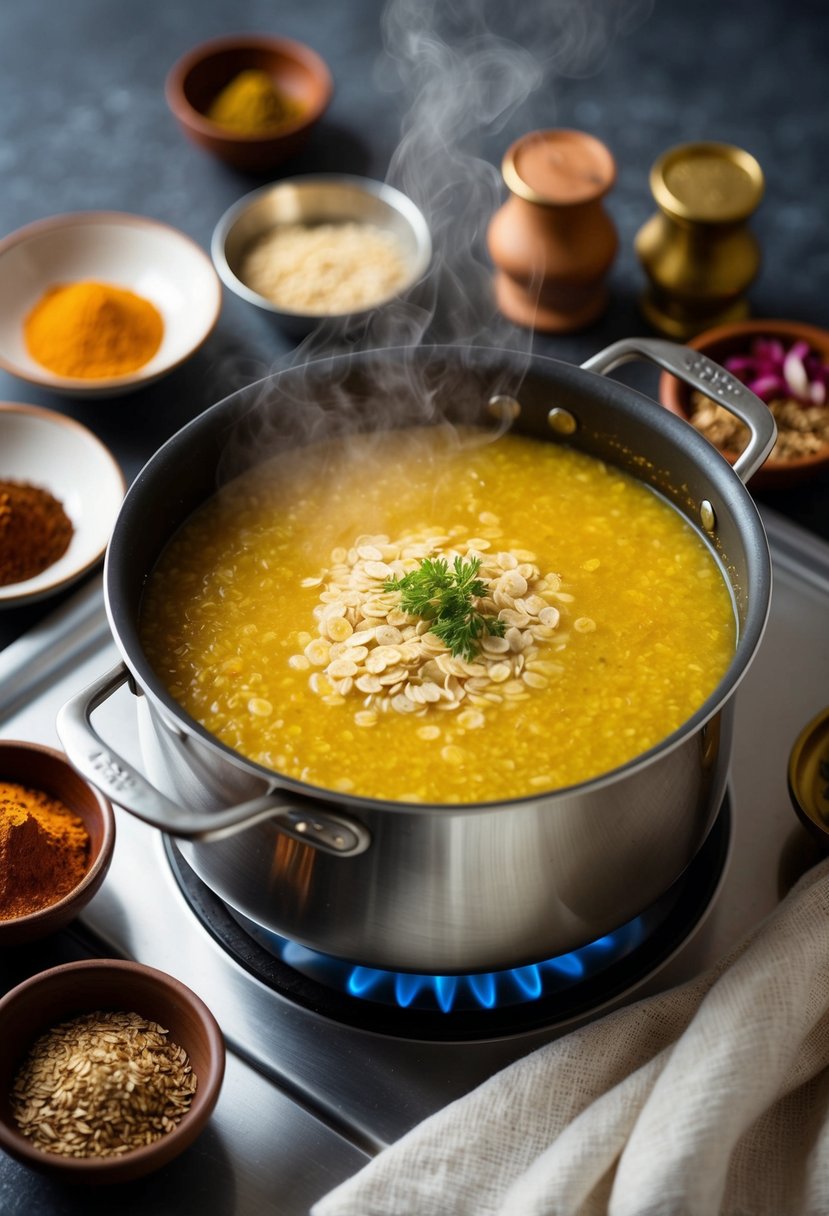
(426, 616)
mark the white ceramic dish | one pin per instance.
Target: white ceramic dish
(129, 251)
(57, 454)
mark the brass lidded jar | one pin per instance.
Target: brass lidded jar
(808, 776)
(552, 241)
(697, 251)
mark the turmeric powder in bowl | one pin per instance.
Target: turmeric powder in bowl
(91, 330)
(251, 104)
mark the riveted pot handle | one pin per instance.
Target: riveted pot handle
(118, 780)
(699, 372)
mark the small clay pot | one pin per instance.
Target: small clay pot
(195, 80)
(552, 241)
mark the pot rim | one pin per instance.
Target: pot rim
(718, 470)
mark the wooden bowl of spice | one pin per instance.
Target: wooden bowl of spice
(109, 1070)
(57, 834)
(251, 100)
(787, 364)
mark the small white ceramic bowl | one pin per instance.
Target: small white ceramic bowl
(57, 454)
(128, 251)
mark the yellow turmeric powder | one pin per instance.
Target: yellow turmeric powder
(92, 330)
(44, 850)
(252, 105)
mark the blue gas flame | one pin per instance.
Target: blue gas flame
(479, 991)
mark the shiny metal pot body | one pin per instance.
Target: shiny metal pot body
(451, 888)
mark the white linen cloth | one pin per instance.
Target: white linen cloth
(711, 1099)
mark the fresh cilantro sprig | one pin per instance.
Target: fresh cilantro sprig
(446, 598)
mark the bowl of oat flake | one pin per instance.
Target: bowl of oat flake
(323, 247)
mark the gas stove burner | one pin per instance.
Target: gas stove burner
(496, 1004)
(454, 993)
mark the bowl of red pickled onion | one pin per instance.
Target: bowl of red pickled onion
(786, 363)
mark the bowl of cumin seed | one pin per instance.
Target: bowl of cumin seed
(109, 1070)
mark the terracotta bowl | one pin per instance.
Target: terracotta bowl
(45, 769)
(200, 75)
(726, 340)
(61, 993)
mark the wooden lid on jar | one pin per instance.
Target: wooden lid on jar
(558, 168)
(707, 183)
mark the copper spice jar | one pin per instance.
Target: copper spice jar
(552, 241)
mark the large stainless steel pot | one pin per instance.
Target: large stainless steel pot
(450, 888)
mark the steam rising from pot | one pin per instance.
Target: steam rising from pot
(472, 77)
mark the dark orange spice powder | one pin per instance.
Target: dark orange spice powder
(44, 850)
(34, 531)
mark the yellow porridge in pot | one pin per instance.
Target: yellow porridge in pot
(427, 616)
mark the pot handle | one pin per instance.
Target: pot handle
(699, 372)
(118, 780)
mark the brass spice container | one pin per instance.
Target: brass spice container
(697, 250)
